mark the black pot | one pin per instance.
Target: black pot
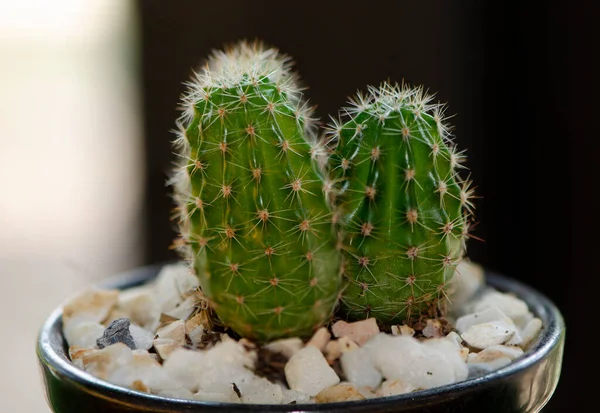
(525, 385)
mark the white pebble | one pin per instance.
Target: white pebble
(394, 387)
(135, 369)
(510, 305)
(359, 368)
(83, 334)
(140, 306)
(433, 329)
(295, 396)
(530, 332)
(170, 337)
(339, 393)
(491, 314)
(494, 352)
(142, 338)
(196, 335)
(92, 304)
(467, 280)
(286, 346)
(77, 354)
(186, 366)
(184, 309)
(260, 391)
(347, 344)
(225, 363)
(172, 282)
(230, 351)
(308, 371)
(358, 331)
(423, 366)
(333, 351)
(320, 339)
(488, 334)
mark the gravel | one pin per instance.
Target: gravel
(158, 339)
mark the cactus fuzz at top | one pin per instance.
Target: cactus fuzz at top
(253, 218)
(404, 206)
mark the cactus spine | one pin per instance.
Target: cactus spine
(253, 218)
(403, 204)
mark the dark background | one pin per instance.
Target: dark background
(517, 74)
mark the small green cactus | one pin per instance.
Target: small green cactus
(253, 218)
(403, 205)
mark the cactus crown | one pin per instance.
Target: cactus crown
(252, 217)
(402, 202)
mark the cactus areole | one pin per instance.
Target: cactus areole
(253, 219)
(405, 208)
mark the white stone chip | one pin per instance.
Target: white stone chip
(358, 331)
(92, 304)
(230, 351)
(77, 354)
(294, 396)
(170, 337)
(394, 387)
(196, 335)
(308, 371)
(488, 334)
(467, 280)
(213, 370)
(494, 352)
(491, 314)
(530, 332)
(367, 392)
(186, 366)
(510, 305)
(286, 346)
(135, 369)
(333, 351)
(171, 284)
(225, 363)
(142, 338)
(347, 344)
(359, 368)
(183, 309)
(83, 334)
(260, 391)
(433, 329)
(339, 393)
(140, 306)
(419, 364)
(320, 339)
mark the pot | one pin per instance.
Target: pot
(525, 385)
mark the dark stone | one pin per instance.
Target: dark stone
(117, 332)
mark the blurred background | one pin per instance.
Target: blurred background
(88, 96)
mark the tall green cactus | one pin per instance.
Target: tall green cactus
(253, 218)
(405, 208)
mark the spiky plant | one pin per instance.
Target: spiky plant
(405, 208)
(252, 215)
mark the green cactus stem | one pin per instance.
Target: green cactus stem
(404, 207)
(252, 215)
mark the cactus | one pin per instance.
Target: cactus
(405, 209)
(253, 219)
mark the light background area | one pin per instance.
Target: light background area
(70, 167)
